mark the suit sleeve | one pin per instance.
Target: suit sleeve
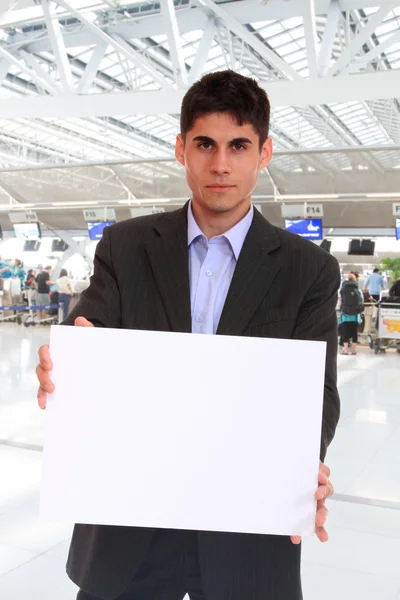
(100, 303)
(317, 321)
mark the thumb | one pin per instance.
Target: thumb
(82, 322)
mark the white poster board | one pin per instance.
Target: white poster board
(186, 431)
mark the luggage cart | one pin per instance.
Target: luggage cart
(387, 326)
(16, 317)
(55, 315)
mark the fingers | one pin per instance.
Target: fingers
(322, 534)
(42, 398)
(44, 358)
(295, 539)
(44, 380)
(322, 515)
(324, 473)
(46, 386)
(82, 322)
(324, 491)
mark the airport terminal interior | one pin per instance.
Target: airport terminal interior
(90, 95)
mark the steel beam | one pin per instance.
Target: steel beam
(34, 64)
(356, 45)
(310, 32)
(174, 42)
(92, 67)
(307, 92)
(203, 50)
(57, 43)
(4, 68)
(117, 43)
(171, 159)
(269, 55)
(328, 38)
(124, 181)
(41, 83)
(273, 10)
(378, 50)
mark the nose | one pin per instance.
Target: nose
(220, 164)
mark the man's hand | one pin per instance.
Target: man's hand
(46, 386)
(324, 491)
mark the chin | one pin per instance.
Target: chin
(221, 205)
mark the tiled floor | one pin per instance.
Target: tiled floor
(361, 560)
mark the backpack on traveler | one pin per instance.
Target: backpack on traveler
(351, 299)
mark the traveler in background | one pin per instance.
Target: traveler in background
(5, 270)
(350, 314)
(17, 270)
(17, 281)
(65, 291)
(5, 286)
(375, 284)
(42, 284)
(30, 278)
(394, 291)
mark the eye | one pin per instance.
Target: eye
(205, 145)
(239, 147)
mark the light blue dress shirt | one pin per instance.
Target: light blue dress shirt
(211, 267)
(375, 283)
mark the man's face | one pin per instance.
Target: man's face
(222, 161)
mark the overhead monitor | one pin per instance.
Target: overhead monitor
(59, 246)
(31, 246)
(361, 248)
(96, 229)
(27, 231)
(326, 245)
(307, 228)
(397, 229)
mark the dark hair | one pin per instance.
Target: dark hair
(19, 262)
(376, 270)
(395, 289)
(356, 274)
(227, 92)
(63, 273)
(48, 268)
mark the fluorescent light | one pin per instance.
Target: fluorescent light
(136, 203)
(307, 196)
(391, 195)
(74, 203)
(10, 208)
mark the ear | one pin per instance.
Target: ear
(266, 154)
(180, 149)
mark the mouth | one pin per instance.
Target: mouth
(217, 187)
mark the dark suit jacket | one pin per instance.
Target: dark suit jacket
(283, 287)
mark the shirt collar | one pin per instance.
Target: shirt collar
(236, 235)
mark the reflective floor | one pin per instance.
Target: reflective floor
(360, 561)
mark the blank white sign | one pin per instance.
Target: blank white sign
(173, 430)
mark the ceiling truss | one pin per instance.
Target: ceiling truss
(96, 80)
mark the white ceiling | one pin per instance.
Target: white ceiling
(332, 70)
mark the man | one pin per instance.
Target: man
(215, 266)
(374, 284)
(5, 286)
(42, 284)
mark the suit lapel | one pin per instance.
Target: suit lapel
(169, 259)
(253, 276)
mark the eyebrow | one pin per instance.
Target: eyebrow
(205, 138)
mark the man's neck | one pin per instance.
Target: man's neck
(213, 224)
